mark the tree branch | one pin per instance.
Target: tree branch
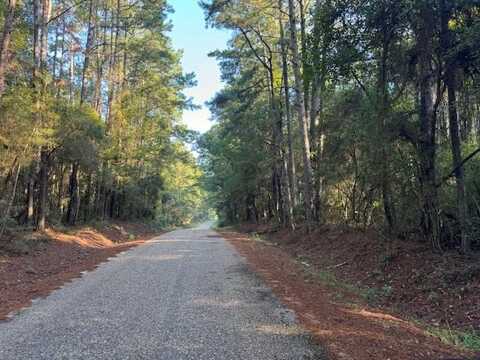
(63, 12)
(250, 45)
(464, 161)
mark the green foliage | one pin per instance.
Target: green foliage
(80, 127)
(462, 339)
(361, 62)
(100, 117)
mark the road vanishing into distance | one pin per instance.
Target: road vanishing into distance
(184, 295)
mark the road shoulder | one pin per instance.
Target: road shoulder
(347, 330)
(59, 258)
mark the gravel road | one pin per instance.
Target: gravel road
(184, 295)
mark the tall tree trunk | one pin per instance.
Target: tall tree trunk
(304, 56)
(60, 189)
(6, 215)
(317, 90)
(5, 42)
(428, 121)
(88, 198)
(61, 71)
(288, 114)
(31, 199)
(55, 53)
(100, 61)
(41, 51)
(456, 147)
(383, 104)
(37, 21)
(74, 194)
(280, 181)
(71, 77)
(284, 194)
(43, 190)
(302, 115)
(88, 49)
(112, 76)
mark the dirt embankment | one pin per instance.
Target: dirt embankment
(34, 264)
(357, 300)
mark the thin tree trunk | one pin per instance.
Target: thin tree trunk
(318, 89)
(428, 121)
(303, 54)
(456, 147)
(62, 60)
(302, 115)
(112, 68)
(74, 194)
(30, 220)
(384, 142)
(288, 114)
(87, 199)
(43, 190)
(55, 54)
(5, 42)
(10, 202)
(60, 190)
(97, 97)
(44, 156)
(284, 196)
(88, 49)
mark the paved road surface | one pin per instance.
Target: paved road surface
(184, 295)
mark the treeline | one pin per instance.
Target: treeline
(356, 112)
(90, 102)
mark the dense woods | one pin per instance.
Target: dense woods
(90, 108)
(363, 113)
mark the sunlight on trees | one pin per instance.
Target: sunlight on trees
(91, 102)
(360, 113)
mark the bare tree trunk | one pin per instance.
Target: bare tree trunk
(74, 194)
(88, 49)
(43, 190)
(100, 60)
(456, 147)
(60, 189)
(42, 11)
(281, 171)
(10, 202)
(318, 89)
(44, 155)
(62, 59)
(112, 66)
(31, 200)
(55, 53)
(71, 76)
(384, 142)
(428, 121)
(5, 42)
(288, 114)
(302, 115)
(303, 54)
(88, 199)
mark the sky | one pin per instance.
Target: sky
(191, 35)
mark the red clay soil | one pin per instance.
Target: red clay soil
(439, 289)
(348, 328)
(61, 257)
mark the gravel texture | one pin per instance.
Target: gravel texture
(184, 295)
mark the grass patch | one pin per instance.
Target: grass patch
(468, 340)
(370, 295)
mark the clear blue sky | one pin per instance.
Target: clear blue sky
(190, 34)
